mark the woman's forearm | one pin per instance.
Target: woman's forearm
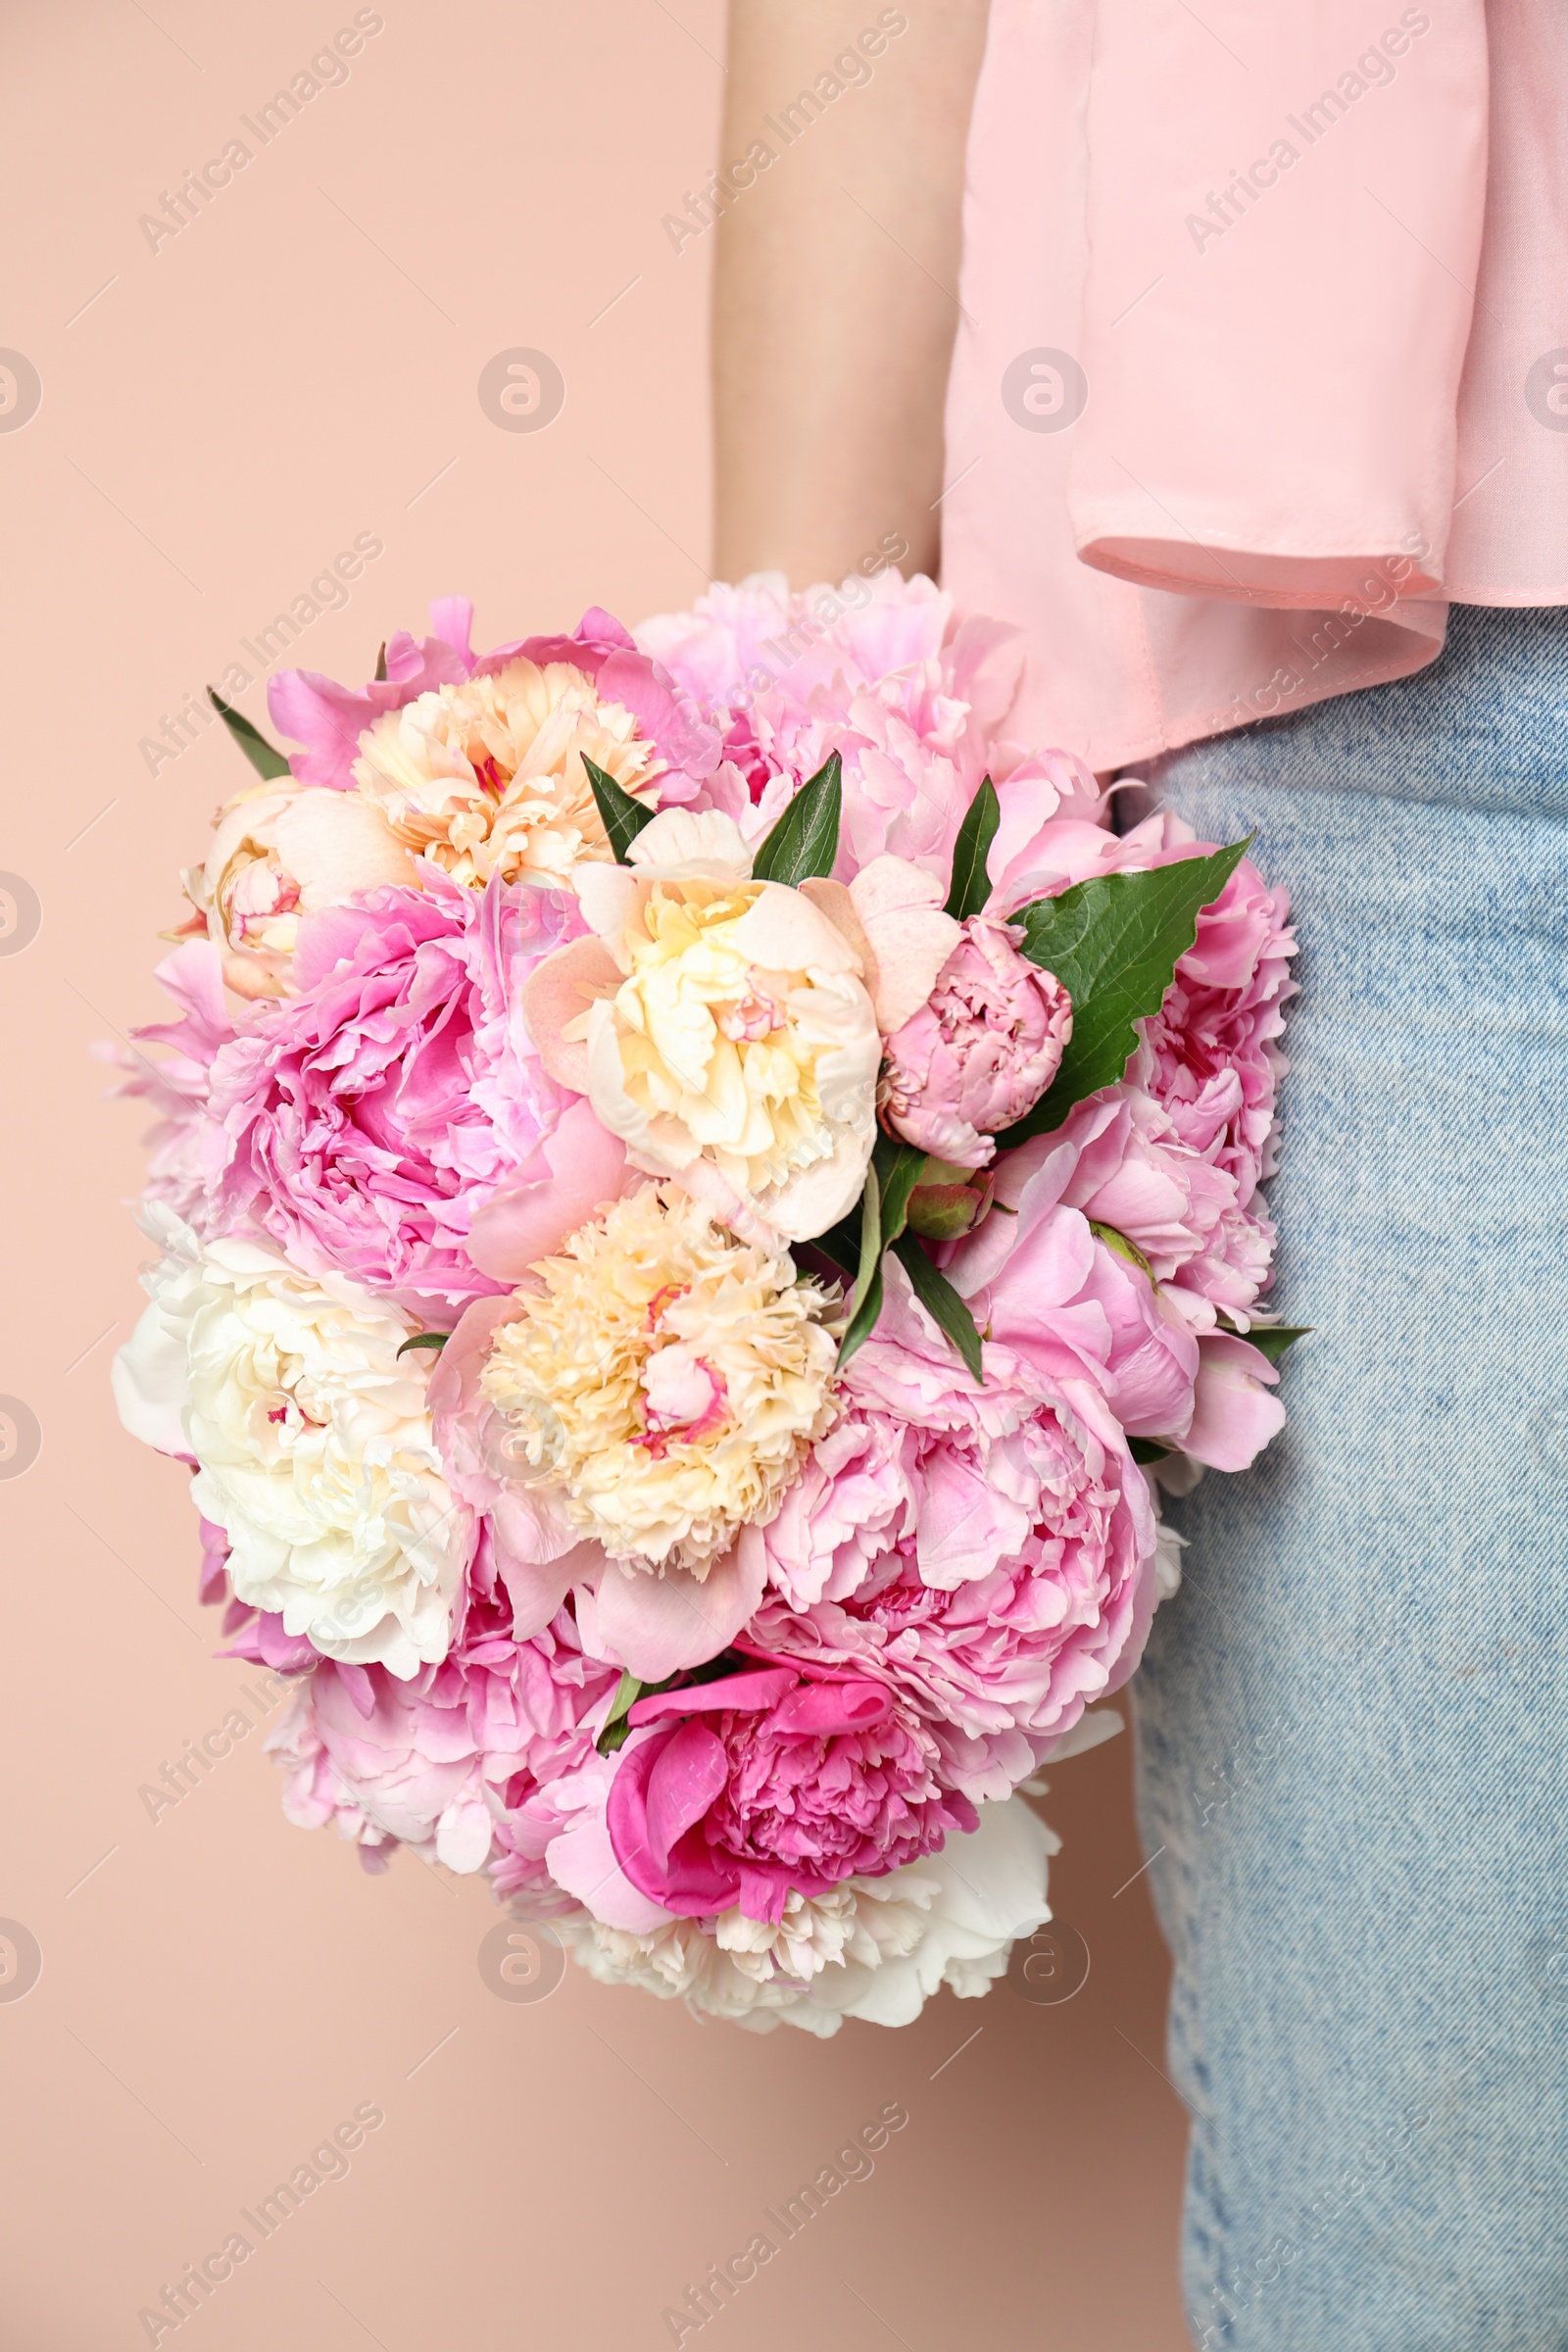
(835, 299)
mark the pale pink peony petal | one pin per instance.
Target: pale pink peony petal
(899, 909)
(1234, 1416)
(686, 840)
(655, 1625)
(558, 992)
(582, 1861)
(523, 1222)
(783, 931)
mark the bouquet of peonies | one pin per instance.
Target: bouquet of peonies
(700, 1190)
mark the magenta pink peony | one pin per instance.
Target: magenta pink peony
(737, 1792)
(693, 1465)
(366, 1120)
(981, 1051)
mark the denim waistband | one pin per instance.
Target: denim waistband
(1484, 726)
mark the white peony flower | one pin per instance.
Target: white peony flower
(315, 1452)
(873, 1949)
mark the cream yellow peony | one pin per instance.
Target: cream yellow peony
(484, 777)
(487, 776)
(665, 1380)
(721, 1026)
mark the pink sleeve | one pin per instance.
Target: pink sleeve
(1284, 237)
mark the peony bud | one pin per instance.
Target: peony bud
(980, 1051)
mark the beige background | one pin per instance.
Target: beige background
(219, 1990)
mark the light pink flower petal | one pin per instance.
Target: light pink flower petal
(462, 1836)
(558, 992)
(535, 1586)
(965, 1525)
(655, 1625)
(522, 1222)
(609, 895)
(582, 1862)
(783, 932)
(1234, 1416)
(682, 842)
(833, 900)
(899, 909)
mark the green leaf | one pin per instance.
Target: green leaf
(1122, 1247)
(425, 1339)
(263, 755)
(622, 817)
(1272, 1339)
(866, 1299)
(940, 1302)
(616, 1727)
(805, 840)
(1145, 1450)
(971, 884)
(380, 665)
(840, 1243)
(898, 1167)
(1114, 941)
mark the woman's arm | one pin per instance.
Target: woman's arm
(835, 298)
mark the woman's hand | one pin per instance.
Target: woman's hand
(836, 290)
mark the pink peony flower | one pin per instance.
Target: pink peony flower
(1133, 1175)
(1209, 1054)
(987, 1555)
(738, 1790)
(980, 1051)
(187, 1151)
(1039, 1280)
(436, 1763)
(367, 1121)
(881, 672)
(1171, 1157)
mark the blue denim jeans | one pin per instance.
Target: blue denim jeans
(1353, 1722)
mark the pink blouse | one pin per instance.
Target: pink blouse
(1263, 349)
